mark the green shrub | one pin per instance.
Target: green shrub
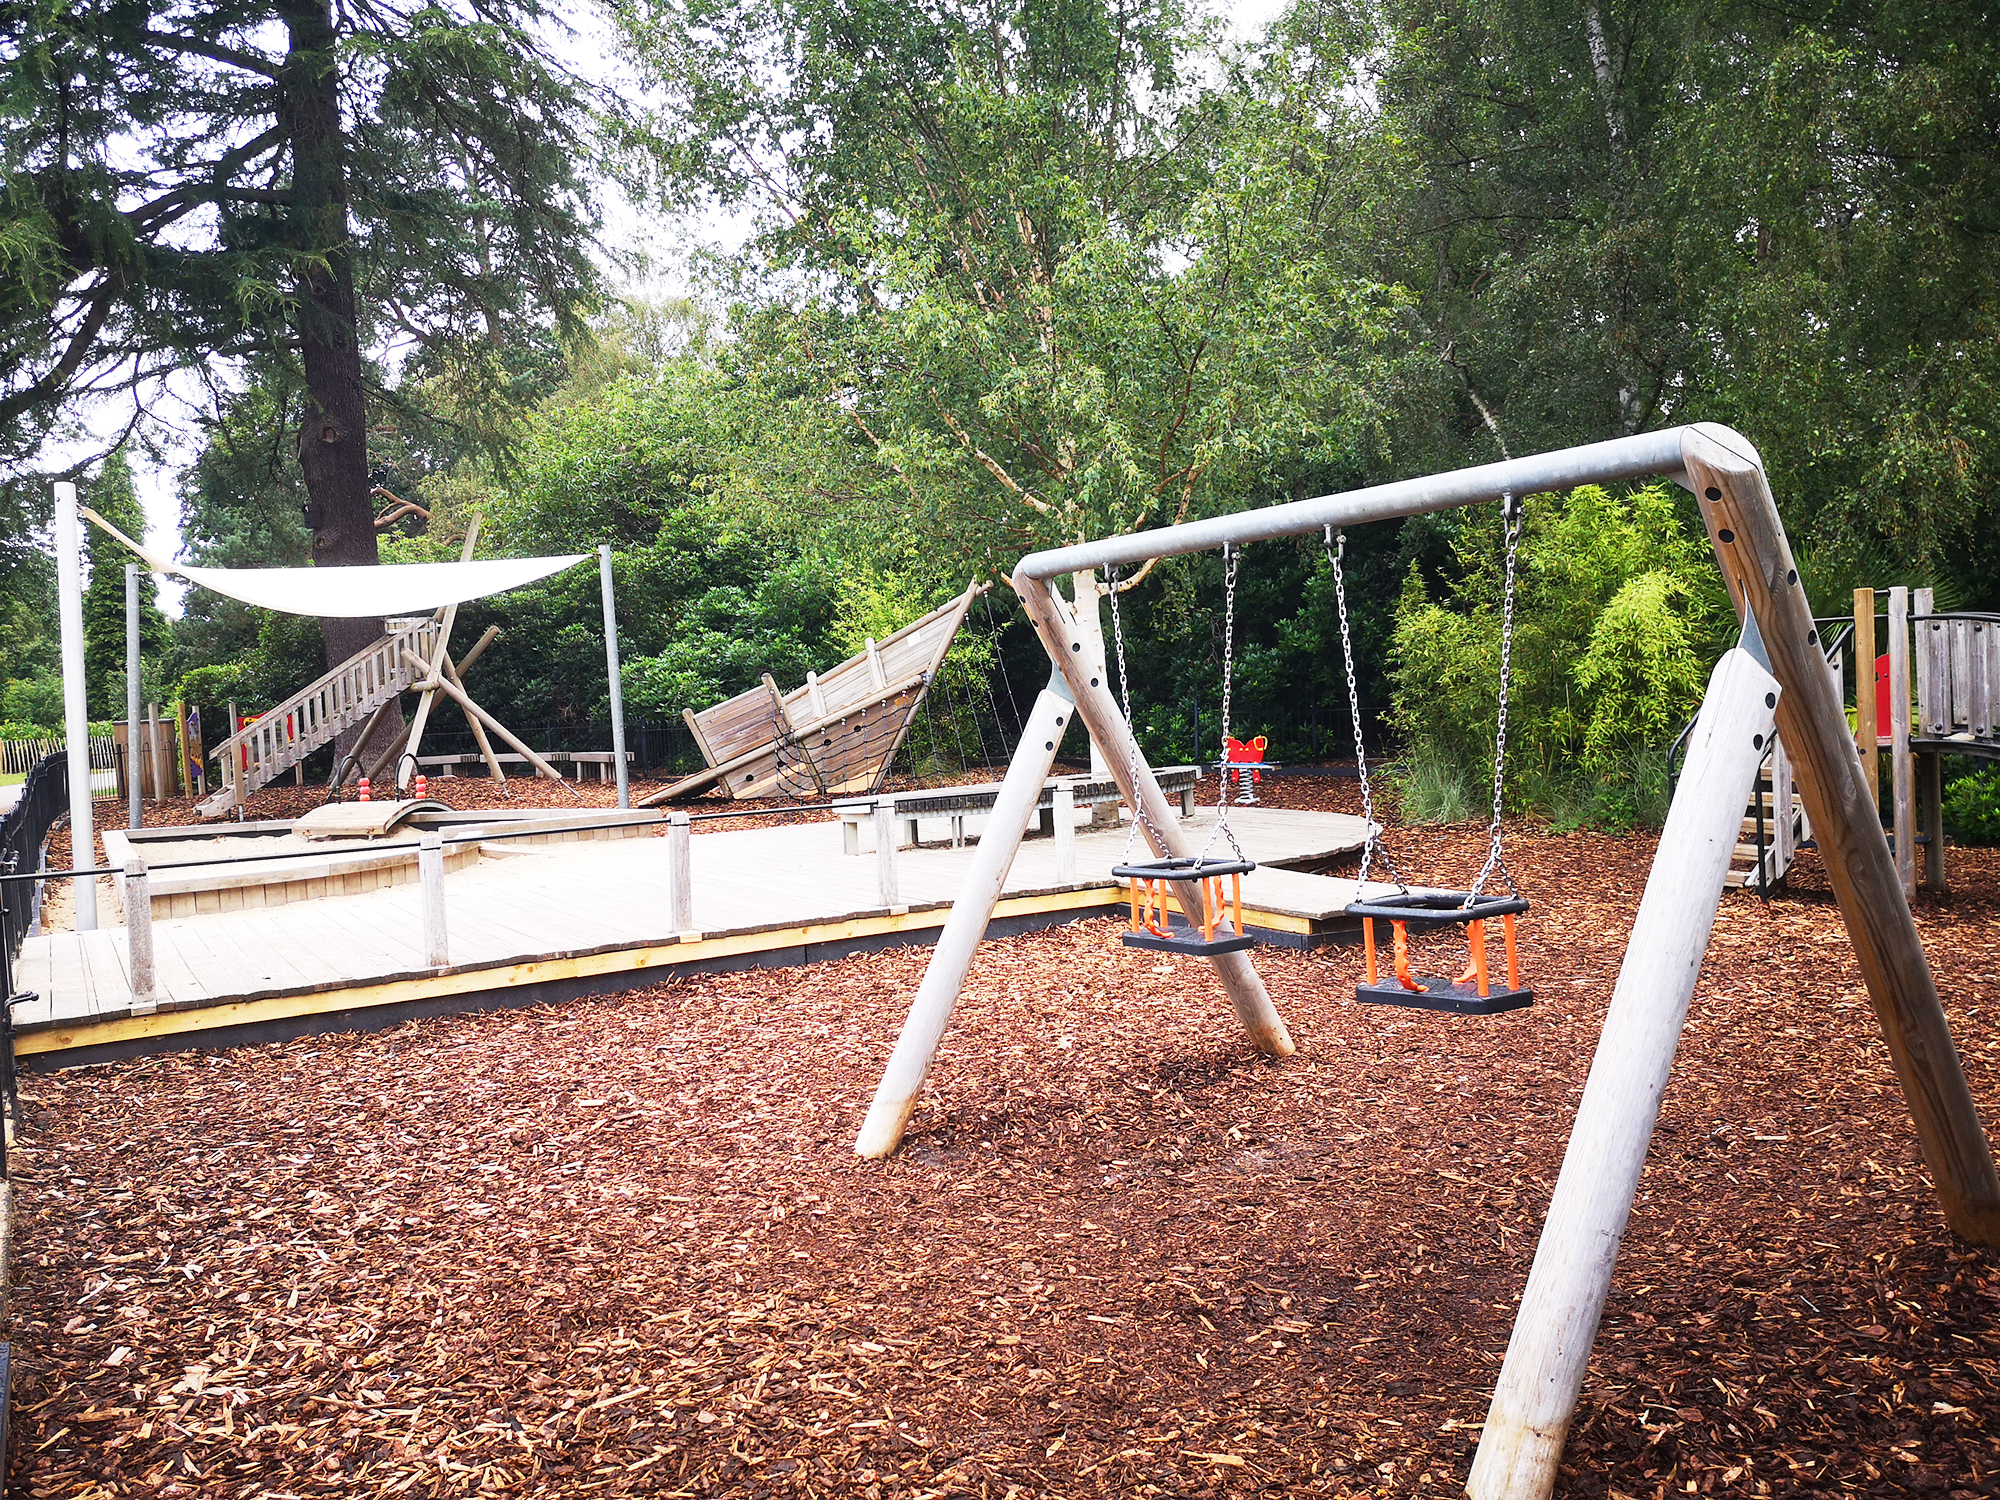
(1434, 786)
(1972, 807)
(1618, 612)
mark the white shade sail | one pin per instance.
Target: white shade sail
(368, 593)
(359, 593)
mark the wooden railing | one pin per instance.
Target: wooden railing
(286, 734)
(1958, 674)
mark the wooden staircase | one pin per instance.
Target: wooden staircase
(285, 735)
(1761, 862)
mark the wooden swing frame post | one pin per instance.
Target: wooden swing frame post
(1547, 1356)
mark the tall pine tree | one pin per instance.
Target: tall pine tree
(188, 181)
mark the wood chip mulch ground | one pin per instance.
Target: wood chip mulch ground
(623, 1246)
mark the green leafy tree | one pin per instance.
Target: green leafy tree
(1618, 615)
(193, 181)
(1056, 287)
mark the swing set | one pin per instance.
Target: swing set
(1775, 679)
(1472, 992)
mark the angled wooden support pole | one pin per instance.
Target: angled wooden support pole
(1098, 708)
(944, 979)
(1728, 480)
(1522, 1442)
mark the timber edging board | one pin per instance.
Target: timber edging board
(283, 1013)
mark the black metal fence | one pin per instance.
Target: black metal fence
(44, 798)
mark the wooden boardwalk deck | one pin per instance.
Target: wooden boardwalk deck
(564, 919)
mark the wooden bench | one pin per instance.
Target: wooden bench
(957, 802)
(602, 760)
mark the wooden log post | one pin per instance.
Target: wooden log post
(1867, 732)
(944, 979)
(1750, 543)
(680, 873)
(1934, 722)
(1902, 788)
(888, 890)
(1098, 709)
(139, 937)
(1521, 1444)
(430, 876)
(156, 751)
(1064, 798)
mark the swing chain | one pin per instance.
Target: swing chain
(1231, 556)
(1139, 813)
(1336, 552)
(1512, 510)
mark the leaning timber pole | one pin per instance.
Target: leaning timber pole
(1742, 519)
(1521, 1445)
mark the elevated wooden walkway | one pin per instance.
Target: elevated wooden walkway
(560, 920)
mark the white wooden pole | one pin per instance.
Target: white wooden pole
(680, 872)
(139, 936)
(1536, 1396)
(1013, 808)
(611, 670)
(1065, 813)
(134, 803)
(76, 717)
(430, 875)
(1902, 786)
(887, 888)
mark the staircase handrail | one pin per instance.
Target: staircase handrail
(418, 640)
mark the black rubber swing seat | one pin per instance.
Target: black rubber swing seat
(1431, 909)
(1154, 926)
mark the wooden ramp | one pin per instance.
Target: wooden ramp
(574, 918)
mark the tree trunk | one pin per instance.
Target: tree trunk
(333, 434)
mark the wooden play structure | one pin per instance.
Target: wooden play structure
(1774, 681)
(833, 737)
(413, 655)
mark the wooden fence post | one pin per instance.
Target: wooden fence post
(1536, 1395)
(888, 891)
(1934, 722)
(139, 937)
(1065, 810)
(430, 875)
(1902, 788)
(1867, 732)
(680, 873)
